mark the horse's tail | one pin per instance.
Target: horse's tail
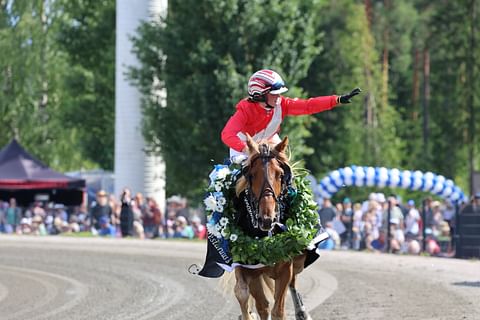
(227, 282)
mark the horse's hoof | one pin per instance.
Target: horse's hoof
(302, 316)
(253, 316)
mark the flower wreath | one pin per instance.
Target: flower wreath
(301, 225)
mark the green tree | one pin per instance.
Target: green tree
(87, 35)
(364, 132)
(32, 67)
(203, 54)
(455, 87)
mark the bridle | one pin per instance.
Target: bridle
(253, 205)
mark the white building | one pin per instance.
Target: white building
(133, 167)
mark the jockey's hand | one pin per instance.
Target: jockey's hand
(346, 97)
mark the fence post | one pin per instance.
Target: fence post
(424, 223)
(456, 233)
(388, 225)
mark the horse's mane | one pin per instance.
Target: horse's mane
(241, 184)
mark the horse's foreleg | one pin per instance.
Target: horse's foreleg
(257, 290)
(300, 310)
(242, 293)
(281, 283)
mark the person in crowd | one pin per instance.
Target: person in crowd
(82, 218)
(427, 211)
(139, 208)
(148, 218)
(126, 213)
(431, 245)
(25, 226)
(474, 205)
(60, 221)
(106, 229)
(73, 224)
(38, 227)
(3, 221)
(183, 230)
(13, 215)
(437, 218)
(178, 204)
(413, 246)
(116, 210)
(100, 209)
(199, 230)
(170, 224)
(49, 218)
(369, 228)
(395, 212)
(347, 219)
(412, 221)
(443, 237)
(333, 241)
(327, 213)
(158, 219)
(357, 226)
(397, 239)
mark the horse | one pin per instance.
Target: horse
(264, 177)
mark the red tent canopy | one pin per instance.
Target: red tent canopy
(19, 170)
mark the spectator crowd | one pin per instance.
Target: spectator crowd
(134, 216)
(380, 223)
(383, 224)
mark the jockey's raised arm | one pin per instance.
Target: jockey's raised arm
(262, 112)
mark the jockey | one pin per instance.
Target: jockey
(261, 114)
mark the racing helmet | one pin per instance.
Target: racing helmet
(265, 81)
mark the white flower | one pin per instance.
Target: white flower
(218, 227)
(219, 208)
(218, 186)
(233, 237)
(223, 221)
(221, 201)
(210, 203)
(224, 233)
(222, 173)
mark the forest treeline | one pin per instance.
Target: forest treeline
(416, 61)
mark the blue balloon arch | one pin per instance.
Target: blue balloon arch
(394, 178)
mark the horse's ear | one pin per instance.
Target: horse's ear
(282, 145)
(252, 145)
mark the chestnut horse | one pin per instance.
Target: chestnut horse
(263, 176)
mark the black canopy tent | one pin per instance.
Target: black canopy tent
(27, 179)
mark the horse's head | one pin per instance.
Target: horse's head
(266, 174)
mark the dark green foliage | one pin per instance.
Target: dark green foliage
(212, 48)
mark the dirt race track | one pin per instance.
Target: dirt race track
(70, 278)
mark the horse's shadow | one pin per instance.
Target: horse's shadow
(475, 284)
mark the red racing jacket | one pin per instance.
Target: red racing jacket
(253, 119)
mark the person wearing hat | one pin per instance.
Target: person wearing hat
(99, 210)
(474, 205)
(262, 112)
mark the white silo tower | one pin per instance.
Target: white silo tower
(133, 167)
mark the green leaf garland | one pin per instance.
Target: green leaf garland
(301, 227)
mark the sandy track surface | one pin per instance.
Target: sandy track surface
(69, 278)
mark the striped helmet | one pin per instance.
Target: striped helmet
(263, 82)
